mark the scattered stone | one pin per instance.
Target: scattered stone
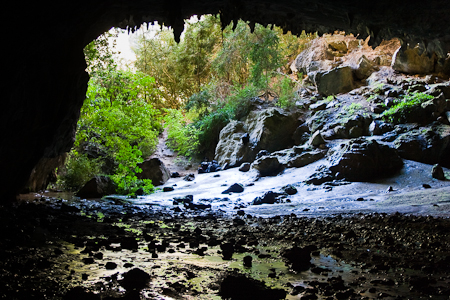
(240, 212)
(262, 153)
(239, 287)
(234, 188)
(390, 189)
(209, 167)
(175, 175)
(298, 258)
(168, 189)
(245, 138)
(268, 166)
(135, 279)
(268, 198)
(289, 189)
(438, 173)
(189, 177)
(248, 261)
(110, 265)
(245, 167)
(426, 186)
(183, 200)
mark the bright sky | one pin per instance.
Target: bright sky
(124, 40)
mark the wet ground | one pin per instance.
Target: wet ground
(352, 241)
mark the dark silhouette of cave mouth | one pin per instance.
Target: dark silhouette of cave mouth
(46, 82)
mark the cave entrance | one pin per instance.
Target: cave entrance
(194, 87)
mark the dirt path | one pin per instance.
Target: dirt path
(173, 161)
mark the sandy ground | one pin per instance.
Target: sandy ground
(408, 195)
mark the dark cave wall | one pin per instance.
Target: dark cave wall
(45, 80)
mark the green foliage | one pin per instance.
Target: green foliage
(287, 97)
(182, 135)
(77, 170)
(404, 106)
(180, 69)
(353, 108)
(118, 125)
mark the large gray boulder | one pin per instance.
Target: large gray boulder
(364, 160)
(430, 145)
(268, 166)
(413, 60)
(232, 149)
(155, 170)
(97, 187)
(336, 81)
(269, 129)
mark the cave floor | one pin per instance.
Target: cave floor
(364, 242)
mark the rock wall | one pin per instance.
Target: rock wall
(44, 64)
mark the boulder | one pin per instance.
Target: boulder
(234, 188)
(135, 279)
(268, 166)
(364, 160)
(245, 167)
(268, 129)
(437, 172)
(305, 158)
(155, 170)
(316, 139)
(429, 145)
(231, 149)
(97, 187)
(271, 129)
(268, 198)
(336, 81)
(364, 68)
(413, 59)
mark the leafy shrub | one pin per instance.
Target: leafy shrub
(182, 135)
(77, 170)
(286, 93)
(405, 106)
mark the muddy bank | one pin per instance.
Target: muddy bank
(108, 249)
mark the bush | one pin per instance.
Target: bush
(405, 107)
(182, 135)
(77, 170)
(286, 93)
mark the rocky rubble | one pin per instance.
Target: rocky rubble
(100, 250)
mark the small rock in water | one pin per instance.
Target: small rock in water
(389, 189)
(175, 175)
(248, 261)
(235, 188)
(360, 199)
(437, 172)
(426, 186)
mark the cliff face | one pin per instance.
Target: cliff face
(45, 79)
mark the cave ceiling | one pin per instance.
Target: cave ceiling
(43, 41)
